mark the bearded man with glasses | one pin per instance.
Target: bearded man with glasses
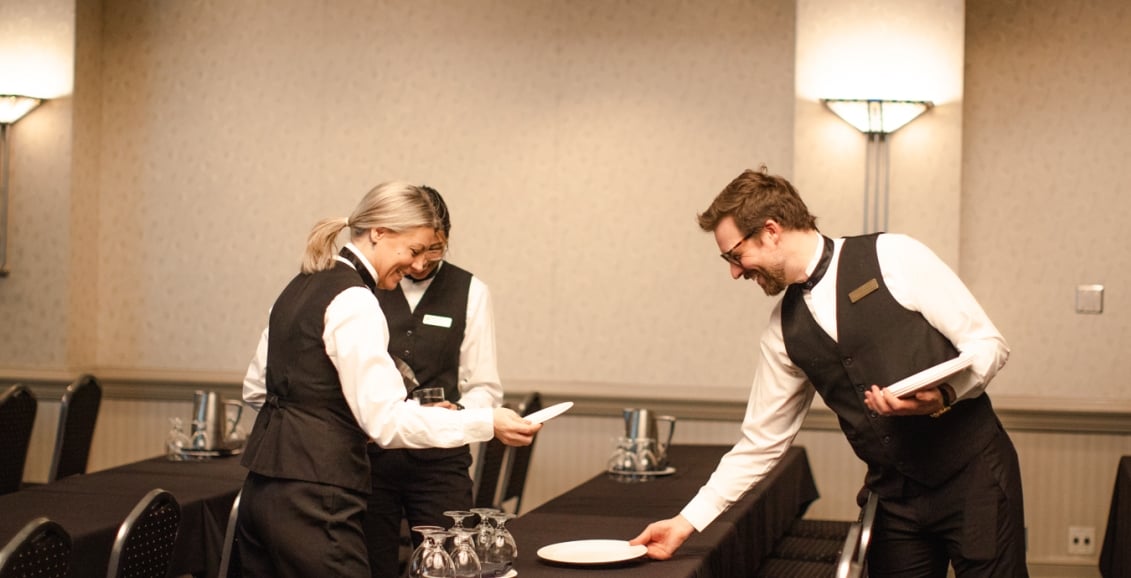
(857, 315)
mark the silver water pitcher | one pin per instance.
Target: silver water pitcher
(213, 426)
(640, 426)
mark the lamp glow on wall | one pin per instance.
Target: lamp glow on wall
(12, 109)
(876, 119)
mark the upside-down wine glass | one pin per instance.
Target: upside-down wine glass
(465, 561)
(484, 532)
(502, 551)
(430, 560)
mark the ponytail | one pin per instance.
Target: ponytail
(319, 254)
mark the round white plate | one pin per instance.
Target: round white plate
(584, 552)
(649, 474)
(549, 412)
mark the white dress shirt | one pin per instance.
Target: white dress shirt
(781, 393)
(357, 341)
(479, 382)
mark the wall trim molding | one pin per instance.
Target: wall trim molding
(591, 398)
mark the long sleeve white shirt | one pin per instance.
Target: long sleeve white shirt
(479, 382)
(781, 394)
(357, 341)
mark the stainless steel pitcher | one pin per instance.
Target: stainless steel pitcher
(641, 424)
(212, 424)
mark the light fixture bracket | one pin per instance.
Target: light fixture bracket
(877, 116)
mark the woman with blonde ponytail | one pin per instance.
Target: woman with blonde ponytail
(325, 386)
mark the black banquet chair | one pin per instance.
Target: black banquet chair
(17, 418)
(42, 549)
(144, 545)
(230, 566)
(77, 416)
(500, 471)
(518, 464)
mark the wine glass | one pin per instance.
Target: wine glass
(502, 550)
(465, 561)
(484, 532)
(430, 560)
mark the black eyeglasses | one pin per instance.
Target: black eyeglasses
(736, 259)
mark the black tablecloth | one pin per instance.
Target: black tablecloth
(602, 508)
(92, 506)
(1115, 558)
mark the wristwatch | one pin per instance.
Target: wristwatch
(947, 394)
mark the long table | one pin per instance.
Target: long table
(602, 508)
(91, 507)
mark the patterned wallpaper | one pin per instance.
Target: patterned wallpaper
(1046, 162)
(574, 142)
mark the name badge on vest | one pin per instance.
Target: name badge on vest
(438, 321)
(864, 290)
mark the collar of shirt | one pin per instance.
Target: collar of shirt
(353, 248)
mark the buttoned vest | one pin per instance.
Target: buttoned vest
(881, 342)
(428, 338)
(306, 431)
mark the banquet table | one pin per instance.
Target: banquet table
(1115, 558)
(92, 506)
(603, 508)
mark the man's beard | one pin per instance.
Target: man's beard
(773, 279)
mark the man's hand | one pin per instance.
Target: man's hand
(924, 402)
(663, 538)
(512, 430)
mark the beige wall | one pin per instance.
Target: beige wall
(1046, 162)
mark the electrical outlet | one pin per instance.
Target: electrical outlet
(1081, 540)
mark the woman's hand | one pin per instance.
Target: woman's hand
(512, 430)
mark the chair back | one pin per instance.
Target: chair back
(488, 471)
(77, 416)
(230, 566)
(42, 549)
(17, 418)
(518, 462)
(853, 562)
(145, 539)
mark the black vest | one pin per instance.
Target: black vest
(305, 430)
(880, 343)
(430, 349)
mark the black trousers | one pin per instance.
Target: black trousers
(417, 485)
(975, 522)
(289, 528)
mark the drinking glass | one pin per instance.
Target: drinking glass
(430, 560)
(502, 551)
(484, 532)
(427, 395)
(465, 561)
(624, 463)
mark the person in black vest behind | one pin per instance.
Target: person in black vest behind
(858, 314)
(442, 326)
(325, 386)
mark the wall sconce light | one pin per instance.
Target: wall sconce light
(12, 109)
(876, 119)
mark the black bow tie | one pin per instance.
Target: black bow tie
(822, 266)
(362, 270)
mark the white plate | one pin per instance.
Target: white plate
(657, 473)
(931, 376)
(549, 412)
(591, 552)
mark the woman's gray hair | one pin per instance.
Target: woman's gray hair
(396, 205)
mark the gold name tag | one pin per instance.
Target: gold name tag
(864, 290)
